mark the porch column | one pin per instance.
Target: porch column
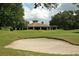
(47, 28)
(40, 28)
(56, 27)
(33, 28)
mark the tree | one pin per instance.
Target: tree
(10, 14)
(47, 5)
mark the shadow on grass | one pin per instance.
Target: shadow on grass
(76, 32)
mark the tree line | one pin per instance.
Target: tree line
(66, 20)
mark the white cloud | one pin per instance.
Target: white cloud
(26, 13)
(36, 14)
(40, 13)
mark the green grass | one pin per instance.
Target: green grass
(6, 37)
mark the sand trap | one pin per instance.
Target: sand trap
(45, 45)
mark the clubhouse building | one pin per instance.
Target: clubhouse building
(40, 26)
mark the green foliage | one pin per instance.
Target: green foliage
(47, 5)
(66, 20)
(11, 15)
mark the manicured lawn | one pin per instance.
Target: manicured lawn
(7, 37)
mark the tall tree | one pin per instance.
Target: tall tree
(10, 14)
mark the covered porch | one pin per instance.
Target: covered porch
(41, 27)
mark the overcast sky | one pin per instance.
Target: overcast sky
(43, 14)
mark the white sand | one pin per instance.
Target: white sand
(45, 45)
